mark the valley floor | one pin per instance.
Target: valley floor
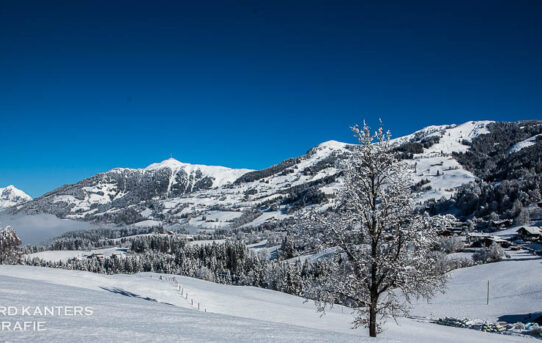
(148, 307)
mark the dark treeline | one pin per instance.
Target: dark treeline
(226, 263)
(90, 239)
(230, 262)
(110, 237)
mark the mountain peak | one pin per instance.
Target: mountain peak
(11, 196)
(220, 174)
(332, 144)
(169, 163)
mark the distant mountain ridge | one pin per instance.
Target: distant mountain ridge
(176, 194)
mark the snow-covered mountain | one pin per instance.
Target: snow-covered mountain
(119, 194)
(172, 193)
(11, 196)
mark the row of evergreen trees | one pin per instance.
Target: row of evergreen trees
(229, 263)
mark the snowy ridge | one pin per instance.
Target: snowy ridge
(11, 196)
(204, 197)
(332, 146)
(221, 175)
(451, 136)
(452, 140)
(429, 131)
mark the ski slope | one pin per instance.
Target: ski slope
(148, 307)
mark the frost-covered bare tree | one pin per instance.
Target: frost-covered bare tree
(9, 243)
(383, 248)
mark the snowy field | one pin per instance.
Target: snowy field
(144, 308)
(65, 255)
(515, 288)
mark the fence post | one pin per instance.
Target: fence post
(487, 297)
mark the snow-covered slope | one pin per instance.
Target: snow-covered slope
(11, 196)
(145, 308)
(514, 290)
(177, 194)
(451, 138)
(524, 144)
(436, 166)
(121, 316)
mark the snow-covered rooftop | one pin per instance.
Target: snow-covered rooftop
(533, 230)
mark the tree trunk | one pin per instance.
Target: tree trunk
(374, 287)
(372, 321)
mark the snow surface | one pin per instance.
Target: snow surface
(442, 171)
(524, 144)
(515, 288)
(148, 223)
(451, 136)
(131, 318)
(452, 140)
(436, 164)
(332, 145)
(143, 308)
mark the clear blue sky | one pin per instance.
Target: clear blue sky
(86, 86)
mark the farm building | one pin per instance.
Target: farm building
(451, 231)
(479, 241)
(530, 233)
(96, 255)
(473, 237)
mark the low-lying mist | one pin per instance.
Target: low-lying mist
(37, 229)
